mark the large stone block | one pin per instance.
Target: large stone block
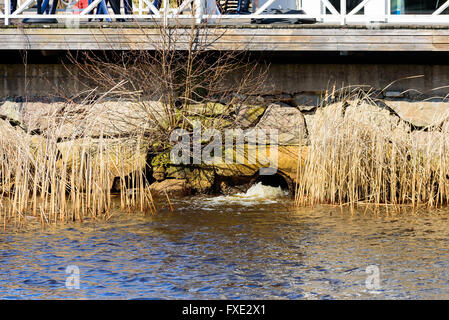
(422, 113)
(173, 187)
(289, 122)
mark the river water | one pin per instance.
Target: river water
(250, 246)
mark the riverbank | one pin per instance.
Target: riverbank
(64, 160)
(71, 130)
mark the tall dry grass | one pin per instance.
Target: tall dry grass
(66, 172)
(363, 153)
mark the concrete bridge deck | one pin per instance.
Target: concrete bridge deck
(239, 36)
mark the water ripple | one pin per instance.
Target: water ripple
(265, 252)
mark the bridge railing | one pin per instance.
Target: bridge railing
(365, 12)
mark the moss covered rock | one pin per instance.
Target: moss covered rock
(175, 172)
(210, 109)
(161, 159)
(200, 179)
(159, 173)
(248, 115)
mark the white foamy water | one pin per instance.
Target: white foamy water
(256, 194)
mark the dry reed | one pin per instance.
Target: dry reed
(58, 178)
(363, 153)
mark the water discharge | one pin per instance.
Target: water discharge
(256, 194)
(260, 191)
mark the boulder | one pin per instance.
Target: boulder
(329, 120)
(200, 179)
(230, 187)
(209, 109)
(107, 118)
(123, 117)
(289, 122)
(175, 172)
(286, 160)
(11, 111)
(248, 115)
(371, 115)
(159, 174)
(39, 116)
(421, 114)
(173, 187)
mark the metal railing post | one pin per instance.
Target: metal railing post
(7, 11)
(343, 12)
(166, 8)
(199, 9)
(377, 9)
(386, 10)
(312, 7)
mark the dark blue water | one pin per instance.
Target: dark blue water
(211, 250)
